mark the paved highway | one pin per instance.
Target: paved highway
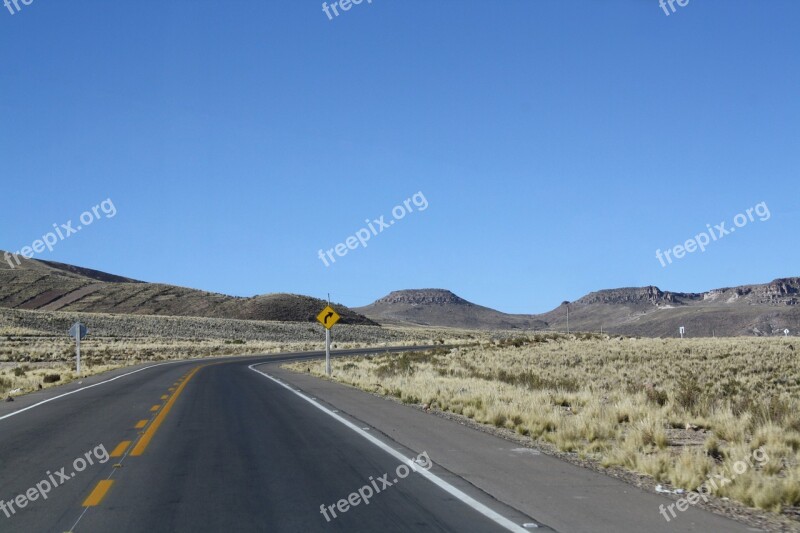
(211, 446)
(234, 445)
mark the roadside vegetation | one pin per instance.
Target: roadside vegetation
(33, 362)
(678, 411)
(34, 344)
(20, 379)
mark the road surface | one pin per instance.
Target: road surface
(235, 444)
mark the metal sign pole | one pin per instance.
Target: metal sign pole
(78, 350)
(328, 352)
(328, 317)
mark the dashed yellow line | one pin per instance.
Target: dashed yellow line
(119, 451)
(143, 442)
(98, 493)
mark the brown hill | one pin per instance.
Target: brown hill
(48, 286)
(442, 308)
(765, 309)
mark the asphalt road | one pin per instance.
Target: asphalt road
(214, 446)
(233, 445)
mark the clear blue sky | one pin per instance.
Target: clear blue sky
(558, 144)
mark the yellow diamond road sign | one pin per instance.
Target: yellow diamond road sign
(328, 317)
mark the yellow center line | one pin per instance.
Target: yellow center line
(144, 441)
(120, 449)
(155, 408)
(98, 493)
(164, 397)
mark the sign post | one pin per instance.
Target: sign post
(328, 352)
(328, 317)
(78, 331)
(682, 330)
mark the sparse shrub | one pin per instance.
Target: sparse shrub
(656, 396)
(499, 420)
(775, 410)
(712, 448)
(687, 392)
(52, 378)
(395, 365)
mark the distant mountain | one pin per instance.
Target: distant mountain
(438, 307)
(765, 309)
(48, 286)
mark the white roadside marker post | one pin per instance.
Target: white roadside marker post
(78, 331)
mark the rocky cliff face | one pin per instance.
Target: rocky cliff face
(423, 297)
(785, 291)
(647, 295)
(780, 292)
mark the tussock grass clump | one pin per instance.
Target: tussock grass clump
(680, 411)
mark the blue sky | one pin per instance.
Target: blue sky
(558, 144)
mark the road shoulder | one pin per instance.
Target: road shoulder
(563, 496)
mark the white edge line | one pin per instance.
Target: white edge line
(84, 388)
(433, 478)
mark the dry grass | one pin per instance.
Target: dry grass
(20, 379)
(35, 343)
(677, 410)
(19, 323)
(29, 359)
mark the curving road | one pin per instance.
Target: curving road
(211, 446)
(238, 444)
